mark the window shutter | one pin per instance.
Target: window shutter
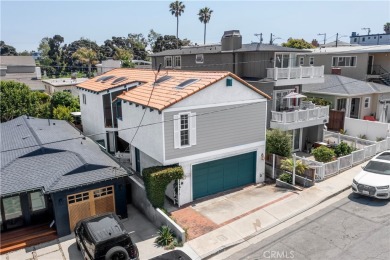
(193, 129)
(176, 131)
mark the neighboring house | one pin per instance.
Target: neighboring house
(337, 44)
(63, 85)
(21, 69)
(370, 39)
(275, 70)
(211, 123)
(371, 63)
(51, 173)
(358, 99)
(108, 65)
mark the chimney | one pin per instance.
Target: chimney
(231, 40)
(336, 71)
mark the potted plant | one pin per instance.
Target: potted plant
(300, 168)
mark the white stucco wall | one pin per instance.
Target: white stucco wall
(372, 130)
(149, 138)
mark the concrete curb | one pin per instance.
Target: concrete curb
(223, 248)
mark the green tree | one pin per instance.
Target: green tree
(204, 17)
(65, 99)
(168, 42)
(63, 113)
(7, 50)
(125, 56)
(138, 45)
(86, 56)
(25, 53)
(278, 142)
(297, 44)
(152, 38)
(386, 28)
(177, 8)
(17, 99)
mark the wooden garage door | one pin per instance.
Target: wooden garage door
(85, 204)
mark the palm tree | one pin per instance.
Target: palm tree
(386, 28)
(204, 17)
(177, 8)
(288, 165)
(87, 56)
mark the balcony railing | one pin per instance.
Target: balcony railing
(300, 115)
(295, 72)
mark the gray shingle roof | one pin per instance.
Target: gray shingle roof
(32, 157)
(17, 61)
(337, 85)
(217, 49)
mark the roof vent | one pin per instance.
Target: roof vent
(163, 78)
(118, 80)
(186, 83)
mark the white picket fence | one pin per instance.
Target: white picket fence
(366, 150)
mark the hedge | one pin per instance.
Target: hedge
(156, 180)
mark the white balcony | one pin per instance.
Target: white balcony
(300, 118)
(296, 75)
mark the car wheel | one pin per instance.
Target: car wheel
(117, 253)
(78, 246)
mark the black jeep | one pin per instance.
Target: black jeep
(104, 237)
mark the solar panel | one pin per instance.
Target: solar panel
(107, 78)
(101, 78)
(163, 78)
(186, 83)
(118, 80)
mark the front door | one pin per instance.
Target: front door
(39, 208)
(370, 64)
(355, 102)
(282, 60)
(296, 139)
(282, 103)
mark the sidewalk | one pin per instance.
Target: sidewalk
(270, 215)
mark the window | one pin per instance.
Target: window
(177, 60)
(374, 37)
(369, 37)
(168, 62)
(84, 99)
(184, 130)
(301, 61)
(341, 104)
(311, 61)
(355, 40)
(67, 90)
(12, 208)
(119, 109)
(363, 39)
(37, 201)
(366, 102)
(380, 37)
(199, 58)
(344, 61)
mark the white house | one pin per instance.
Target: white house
(62, 85)
(211, 123)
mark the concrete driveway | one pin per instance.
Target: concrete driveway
(144, 233)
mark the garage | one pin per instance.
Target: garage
(224, 174)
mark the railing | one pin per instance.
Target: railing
(300, 115)
(295, 72)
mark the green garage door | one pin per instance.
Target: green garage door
(220, 175)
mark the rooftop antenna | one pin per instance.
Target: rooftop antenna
(260, 35)
(324, 36)
(156, 74)
(273, 38)
(367, 29)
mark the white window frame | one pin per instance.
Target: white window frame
(367, 102)
(191, 130)
(84, 99)
(301, 61)
(311, 60)
(200, 60)
(344, 103)
(343, 58)
(166, 58)
(175, 59)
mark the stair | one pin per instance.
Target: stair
(26, 237)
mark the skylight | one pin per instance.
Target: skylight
(107, 78)
(163, 78)
(101, 78)
(118, 80)
(186, 83)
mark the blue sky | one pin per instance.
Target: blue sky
(25, 23)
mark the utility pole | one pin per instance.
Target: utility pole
(337, 38)
(270, 39)
(324, 36)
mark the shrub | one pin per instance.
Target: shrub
(323, 154)
(362, 137)
(343, 131)
(278, 142)
(378, 139)
(343, 149)
(288, 164)
(286, 177)
(156, 180)
(319, 101)
(165, 236)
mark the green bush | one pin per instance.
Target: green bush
(286, 177)
(278, 142)
(323, 154)
(343, 149)
(156, 180)
(318, 101)
(165, 236)
(288, 165)
(363, 136)
(378, 139)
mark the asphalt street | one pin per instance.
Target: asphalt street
(355, 227)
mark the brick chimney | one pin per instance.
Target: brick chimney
(336, 71)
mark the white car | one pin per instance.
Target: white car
(374, 180)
